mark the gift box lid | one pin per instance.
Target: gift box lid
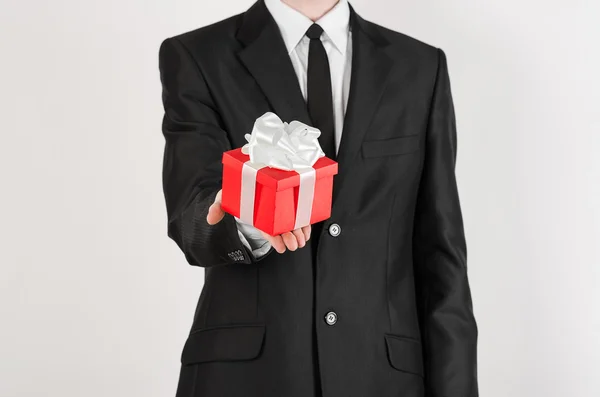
(279, 179)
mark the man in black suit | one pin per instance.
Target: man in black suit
(378, 303)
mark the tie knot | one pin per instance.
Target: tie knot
(314, 32)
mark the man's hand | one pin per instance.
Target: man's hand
(290, 240)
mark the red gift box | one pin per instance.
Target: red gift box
(279, 203)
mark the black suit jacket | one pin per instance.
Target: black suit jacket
(395, 276)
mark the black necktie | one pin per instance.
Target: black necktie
(320, 101)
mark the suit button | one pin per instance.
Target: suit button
(335, 230)
(331, 318)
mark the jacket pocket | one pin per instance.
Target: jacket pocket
(223, 343)
(405, 354)
(390, 147)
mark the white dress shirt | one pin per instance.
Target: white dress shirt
(337, 40)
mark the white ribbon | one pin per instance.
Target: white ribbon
(289, 147)
(306, 193)
(248, 191)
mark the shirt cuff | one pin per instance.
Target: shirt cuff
(252, 239)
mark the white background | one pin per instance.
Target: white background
(96, 301)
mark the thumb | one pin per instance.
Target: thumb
(215, 212)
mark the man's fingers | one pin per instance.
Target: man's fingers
(306, 230)
(277, 243)
(300, 239)
(215, 212)
(290, 241)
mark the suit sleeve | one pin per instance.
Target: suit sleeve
(448, 327)
(192, 172)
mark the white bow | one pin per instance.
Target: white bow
(281, 145)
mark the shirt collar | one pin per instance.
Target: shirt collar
(293, 24)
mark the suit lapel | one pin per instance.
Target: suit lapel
(370, 69)
(266, 58)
